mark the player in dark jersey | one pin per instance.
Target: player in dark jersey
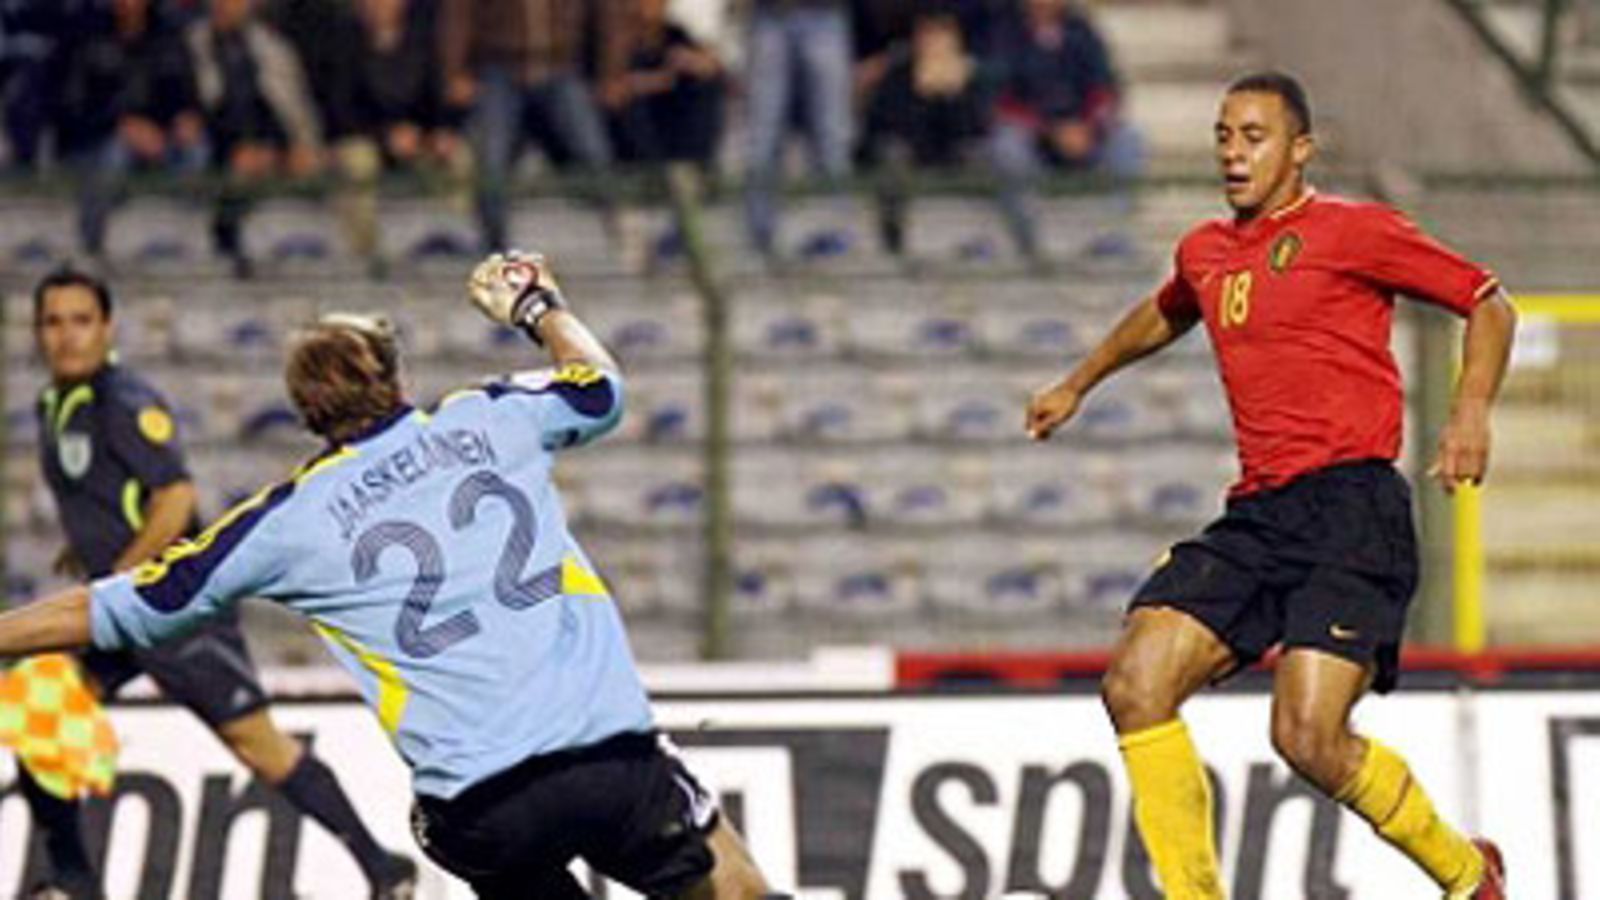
(1315, 551)
(110, 453)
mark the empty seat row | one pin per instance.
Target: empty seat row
(981, 576)
(220, 319)
(831, 405)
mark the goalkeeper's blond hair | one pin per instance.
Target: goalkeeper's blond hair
(343, 375)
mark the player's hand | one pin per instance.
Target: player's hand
(1050, 408)
(514, 288)
(1463, 448)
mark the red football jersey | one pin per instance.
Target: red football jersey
(1299, 306)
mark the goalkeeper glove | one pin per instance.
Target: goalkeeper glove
(515, 289)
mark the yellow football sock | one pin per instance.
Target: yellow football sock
(1383, 792)
(1172, 806)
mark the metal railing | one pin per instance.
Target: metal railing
(1538, 73)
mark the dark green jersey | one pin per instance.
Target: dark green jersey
(105, 445)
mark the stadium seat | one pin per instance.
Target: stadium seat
(898, 330)
(1045, 332)
(857, 581)
(1043, 486)
(840, 405)
(763, 579)
(767, 327)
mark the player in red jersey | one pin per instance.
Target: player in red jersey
(1315, 551)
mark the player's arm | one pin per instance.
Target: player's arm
(166, 516)
(1391, 251)
(571, 342)
(1485, 351)
(141, 432)
(582, 400)
(57, 622)
(1146, 328)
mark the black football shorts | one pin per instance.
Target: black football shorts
(1328, 561)
(626, 806)
(210, 671)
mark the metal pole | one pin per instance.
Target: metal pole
(1550, 42)
(5, 465)
(683, 182)
(1431, 398)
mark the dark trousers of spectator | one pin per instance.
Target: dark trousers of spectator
(681, 125)
(103, 172)
(28, 105)
(559, 112)
(924, 135)
(237, 195)
(1019, 157)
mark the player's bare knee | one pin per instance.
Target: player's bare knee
(1309, 746)
(1135, 697)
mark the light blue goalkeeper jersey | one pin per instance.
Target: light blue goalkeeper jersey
(433, 556)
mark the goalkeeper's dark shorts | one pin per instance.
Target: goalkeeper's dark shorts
(1328, 561)
(210, 671)
(626, 806)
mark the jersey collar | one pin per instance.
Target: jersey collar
(1277, 217)
(378, 427)
(1296, 206)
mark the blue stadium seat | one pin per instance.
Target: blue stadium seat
(1020, 588)
(1110, 586)
(274, 419)
(301, 247)
(22, 424)
(761, 590)
(1043, 332)
(840, 502)
(672, 501)
(920, 502)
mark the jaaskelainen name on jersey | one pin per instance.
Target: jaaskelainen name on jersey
(434, 556)
(429, 454)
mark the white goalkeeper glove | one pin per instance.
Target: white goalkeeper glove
(516, 289)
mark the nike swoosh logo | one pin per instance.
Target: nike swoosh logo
(1341, 633)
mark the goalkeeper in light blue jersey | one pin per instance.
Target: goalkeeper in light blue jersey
(429, 548)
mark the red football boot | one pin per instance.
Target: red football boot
(1493, 885)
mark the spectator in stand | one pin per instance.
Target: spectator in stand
(881, 30)
(519, 65)
(1057, 108)
(259, 113)
(928, 109)
(385, 109)
(128, 101)
(675, 91)
(799, 59)
(32, 58)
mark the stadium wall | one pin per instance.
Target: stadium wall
(883, 795)
(1406, 83)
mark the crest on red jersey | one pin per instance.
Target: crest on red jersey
(1284, 251)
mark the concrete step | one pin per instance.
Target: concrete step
(1534, 433)
(1176, 117)
(1523, 519)
(1583, 98)
(1543, 607)
(1520, 25)
(1152, 36)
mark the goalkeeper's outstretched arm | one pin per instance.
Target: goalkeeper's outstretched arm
(57, 622)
